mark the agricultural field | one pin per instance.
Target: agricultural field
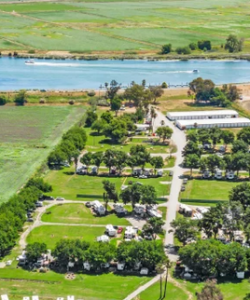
(27, 135)
(86, 187)
(78, 213)
(141, 26)
(53, 285)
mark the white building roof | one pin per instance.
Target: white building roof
(142, 126)
(184, 123)
(202, 113)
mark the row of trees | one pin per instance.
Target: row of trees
(136, 93)
(216, 135)
(138, 156)
(205, 90)
(225, 218)
(148, 254)
(134, 193)
(213, 258)
(13, 213)
(233, 44)
(69, 148)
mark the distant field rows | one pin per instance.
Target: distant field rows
(27, 135)
(120, 25)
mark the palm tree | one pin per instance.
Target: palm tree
(75, 155)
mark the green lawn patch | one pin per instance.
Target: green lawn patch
(79, 214)
(153, 292)
(76, 187)
(170, 162)
(51, 234)
(101, 143)
(199, 189)
(53, 285)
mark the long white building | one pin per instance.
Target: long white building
(206, 114)
(209, 123)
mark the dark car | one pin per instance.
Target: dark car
(171, 173)
(88, 204)
(183, 188)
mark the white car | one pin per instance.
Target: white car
(60, 199)
(143, 176)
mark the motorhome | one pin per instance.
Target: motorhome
(218, 174)
(230, 175)
(130, 233)
(98, 207)
(139, 209)
(206, 174)
(110, 230)
(153, 212)
(119, 209)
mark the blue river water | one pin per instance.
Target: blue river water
(79, 74)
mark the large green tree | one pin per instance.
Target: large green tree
(184, 229)
(35, 251)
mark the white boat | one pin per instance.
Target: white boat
(195, 71)
(30, 62)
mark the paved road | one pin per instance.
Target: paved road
(179, 139)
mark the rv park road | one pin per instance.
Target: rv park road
(179, 139)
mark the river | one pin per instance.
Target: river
(76, 75)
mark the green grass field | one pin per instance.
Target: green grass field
(27, 135)
(79, 214)
(51, 234)
(76, 187)
(17, 283)
(198, 189)
(120, 25)
(101, 143)
(153, 292)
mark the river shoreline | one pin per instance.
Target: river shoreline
(62, 55)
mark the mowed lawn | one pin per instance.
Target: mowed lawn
(77, 213)
(153, 292)
(52, 285)
(27, 135)
(51, 234)
(104, 25)
(76, 187)
(200, 189)
(101, 143)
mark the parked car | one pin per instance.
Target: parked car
(48, 198)
(30, 220)
(185, 180)
(120, 230)
(60, 199)
(183, 188)
(143, 176)
(171, 173)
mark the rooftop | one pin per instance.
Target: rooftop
(213, 121)
(202, 113)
